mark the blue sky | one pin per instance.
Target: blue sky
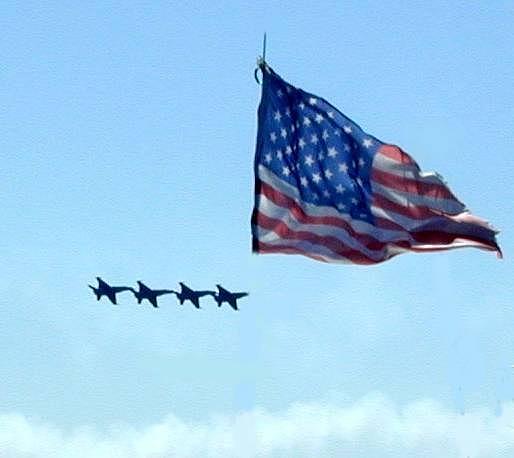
(127, 133)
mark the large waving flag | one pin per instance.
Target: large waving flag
(328, 190)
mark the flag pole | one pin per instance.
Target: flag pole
(264, 48)
(261, 60)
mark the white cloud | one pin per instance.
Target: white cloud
(372, 427)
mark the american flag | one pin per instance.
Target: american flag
(328, 190)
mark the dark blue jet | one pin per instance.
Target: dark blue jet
(187, 294)
(223, 295)
(105, 289)
(149, 294)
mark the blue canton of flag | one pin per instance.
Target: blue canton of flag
(328, 190)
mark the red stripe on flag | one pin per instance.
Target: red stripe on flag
(334, 244)
(454, 228)
(412, 211)
(396, 154)
(411, 186)
(287, 202)
(447, 238)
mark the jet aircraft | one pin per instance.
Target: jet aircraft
(187, 294)
(104, 289)
(149, 294)
(223, 295)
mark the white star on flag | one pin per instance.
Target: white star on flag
(367, 142)
(343, 167)
(309, 160)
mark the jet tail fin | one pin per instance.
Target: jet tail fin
(97, 294)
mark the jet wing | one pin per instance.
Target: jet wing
(102, 284)
(186, 289)
(143, 287)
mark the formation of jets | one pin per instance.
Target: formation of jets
(151, 295)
